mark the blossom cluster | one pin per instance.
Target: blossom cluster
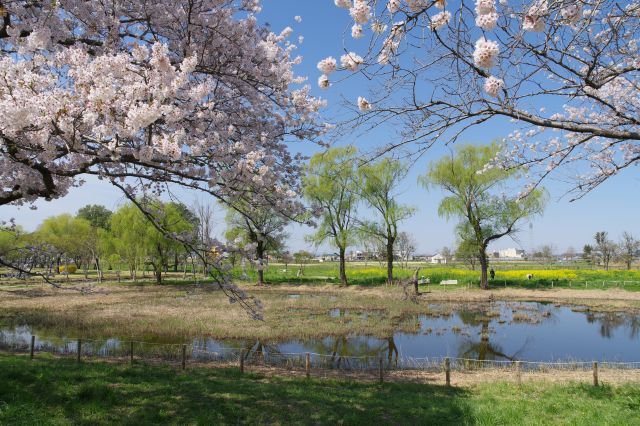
(534, 18)
(492, 86)
(360, 12)
(486, 14)
(440, 19)
(485, 53)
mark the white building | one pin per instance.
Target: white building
(511, 253)
(438, 259)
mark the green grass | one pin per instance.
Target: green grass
(57, 391)
(373, 273)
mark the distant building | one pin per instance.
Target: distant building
(331, 257)
(511, 253)
(422, 257)
(438, 259)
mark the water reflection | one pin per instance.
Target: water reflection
(500, 331)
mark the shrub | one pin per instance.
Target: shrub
(71, 269)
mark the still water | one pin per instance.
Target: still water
(528, 331)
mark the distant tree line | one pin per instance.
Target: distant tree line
(97, 238)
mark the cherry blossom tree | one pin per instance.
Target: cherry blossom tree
(191, 93)
(148, 95)
(562, 75)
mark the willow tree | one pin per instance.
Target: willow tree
(330, 186)
(479, 197)
(379, 183)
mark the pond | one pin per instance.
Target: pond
(501, 330)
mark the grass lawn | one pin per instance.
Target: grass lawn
(57, 391)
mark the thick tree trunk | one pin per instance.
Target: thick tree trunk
(260, 253)
(484, 265)
(343, 268)
(390, 262)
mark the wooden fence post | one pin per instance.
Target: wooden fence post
(33, 343)
(307, 365)
(447, 371)
(184, 357)
(595, 373)
(79, 350)
(519, 373)
(131, 351)
(380, 370)
(242, 361)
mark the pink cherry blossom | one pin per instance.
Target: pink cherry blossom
(493, 85)
(351, 61)
(440, 19)
(485, 53)
(327, 65)
(360, 12)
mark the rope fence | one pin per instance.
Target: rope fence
(309, 363)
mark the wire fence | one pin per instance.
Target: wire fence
(309, 363)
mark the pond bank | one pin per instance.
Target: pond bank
(494, 325)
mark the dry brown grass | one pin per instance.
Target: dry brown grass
(166, 312)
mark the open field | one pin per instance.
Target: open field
(373, 273)
(56, 391)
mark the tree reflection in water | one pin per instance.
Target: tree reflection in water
(609, 321)
(482, 350)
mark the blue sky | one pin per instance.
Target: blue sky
(614, 207)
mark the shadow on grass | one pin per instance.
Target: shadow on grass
(60, 391)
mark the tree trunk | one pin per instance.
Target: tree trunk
(390, 261)
(484, 265)
(415, 281)
(157, 270)
(343, 268)
(260, 253)
(98, 268)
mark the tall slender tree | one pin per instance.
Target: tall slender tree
(330, 187)
(378, 185)
(479, 198)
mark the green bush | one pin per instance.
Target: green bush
(71, 269)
